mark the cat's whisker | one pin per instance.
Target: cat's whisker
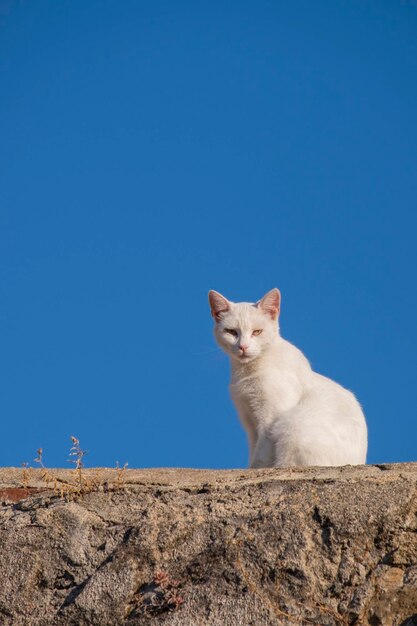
(211, 351)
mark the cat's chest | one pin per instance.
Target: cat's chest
(267, 392)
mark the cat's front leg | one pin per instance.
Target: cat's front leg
(248, 424)
(263, 454)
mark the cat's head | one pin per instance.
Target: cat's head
(242, 329)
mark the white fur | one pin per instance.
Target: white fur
(292, 415)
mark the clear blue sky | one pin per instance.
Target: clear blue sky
(150, 151)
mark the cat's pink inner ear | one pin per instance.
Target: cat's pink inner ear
(218, 304)
(270, 303)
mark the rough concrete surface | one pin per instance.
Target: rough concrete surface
(178, 547)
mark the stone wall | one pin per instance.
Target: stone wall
(213, 548)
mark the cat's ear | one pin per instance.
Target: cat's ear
(270, 303)
(218, 304)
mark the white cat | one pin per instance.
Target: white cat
(292, 415)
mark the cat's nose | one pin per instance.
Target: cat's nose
(243, 347)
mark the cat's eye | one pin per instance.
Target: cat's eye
(257, 332)
(231, 331)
